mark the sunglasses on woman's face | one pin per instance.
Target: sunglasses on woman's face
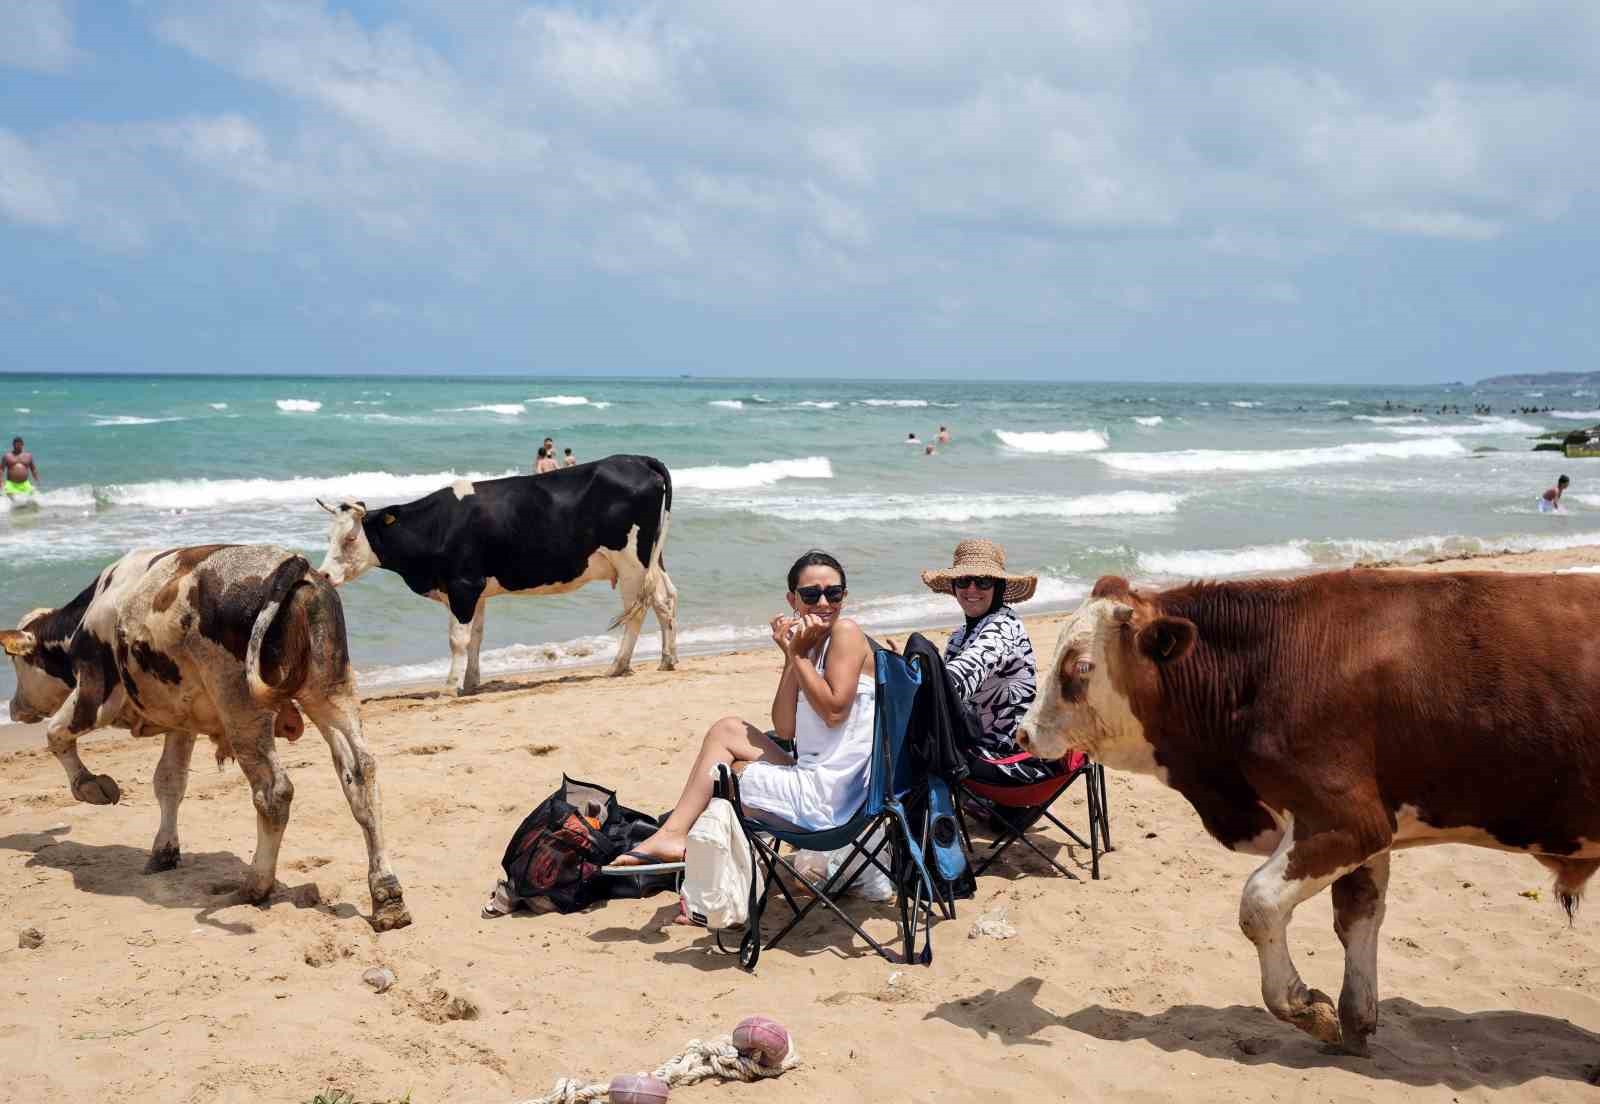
(811, 595)
(982, 582)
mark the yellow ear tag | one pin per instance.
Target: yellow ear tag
(388, 519)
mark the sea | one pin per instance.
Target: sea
(1157, 482)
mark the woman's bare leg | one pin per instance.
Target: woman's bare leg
(729, 741)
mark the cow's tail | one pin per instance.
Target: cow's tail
(280, 586)
(653, 570)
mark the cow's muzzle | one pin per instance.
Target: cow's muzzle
(20, 714)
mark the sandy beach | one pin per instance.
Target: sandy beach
(1137, 987)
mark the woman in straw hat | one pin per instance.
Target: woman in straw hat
(989, 660)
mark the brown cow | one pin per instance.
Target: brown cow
(222, 641)
(1329, 719)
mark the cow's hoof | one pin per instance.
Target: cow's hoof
(391, 916)
(1318, 1018)
(388, 905)
(162, 858)
(669, 665)
(621, 672)
(97, 789)
(255, 891)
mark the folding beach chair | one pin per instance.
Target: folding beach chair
(898, 851)
(1022, 806)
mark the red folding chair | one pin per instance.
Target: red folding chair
(1022, 806)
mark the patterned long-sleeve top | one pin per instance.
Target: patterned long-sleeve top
(990, 663)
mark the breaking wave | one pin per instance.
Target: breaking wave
(199, 494)
(129, 420)
(719, 477)
(299, 406)
(1298, 555)
(509, 410)
(727, 404)
(1204, 461)
(824, 404)
(1237, 561)
(923, 508)
(1388, 419)
(1067, 440)
(1575, 415)
(1152, 420)
(1484, 427)
(1243, 404)
(893, 402)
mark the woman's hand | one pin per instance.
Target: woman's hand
(809, 636)
(783, 629)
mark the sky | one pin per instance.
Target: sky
(1106, 189)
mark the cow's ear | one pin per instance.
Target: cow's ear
(1167, 639)
(17, 643)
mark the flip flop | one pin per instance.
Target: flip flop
(647, 864)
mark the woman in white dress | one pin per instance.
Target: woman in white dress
(825, 706)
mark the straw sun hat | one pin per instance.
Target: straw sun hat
(981, 557)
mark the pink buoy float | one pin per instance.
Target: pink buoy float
(762, 1038)
(638, 1088)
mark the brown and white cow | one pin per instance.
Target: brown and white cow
(221, 641)
(1326, 720)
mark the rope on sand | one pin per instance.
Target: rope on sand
(699, 1060)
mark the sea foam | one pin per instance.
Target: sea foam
(198, 494)
(956, 508)
(129, 420)
(1204, 461)
(299, 406)
(509, 410)
(1152, 420)
(1483, 427)
(719, 477)
(1067, 440)
(727, 404)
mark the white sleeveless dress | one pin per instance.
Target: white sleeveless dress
(828, 782)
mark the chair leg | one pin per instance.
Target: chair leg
(1105, 809)
(1091, 792)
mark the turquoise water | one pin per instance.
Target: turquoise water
(1156, 481)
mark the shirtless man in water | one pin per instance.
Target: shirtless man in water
(18, 466)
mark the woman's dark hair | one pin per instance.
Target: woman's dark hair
(814, 558)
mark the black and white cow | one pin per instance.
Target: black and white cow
(524, 534)
(222, 641)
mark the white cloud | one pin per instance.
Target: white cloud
(37, 34)
(385, 82)
(27, 194)
(1433, 224)
(747, 150)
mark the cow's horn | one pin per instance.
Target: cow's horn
(328, 508)
(16, 642)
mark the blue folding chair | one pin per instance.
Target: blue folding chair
(893, 776)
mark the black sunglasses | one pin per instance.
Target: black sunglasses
(811, 595)
(982, 582)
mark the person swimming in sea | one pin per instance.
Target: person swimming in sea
(20, 469)
(1550, 501)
